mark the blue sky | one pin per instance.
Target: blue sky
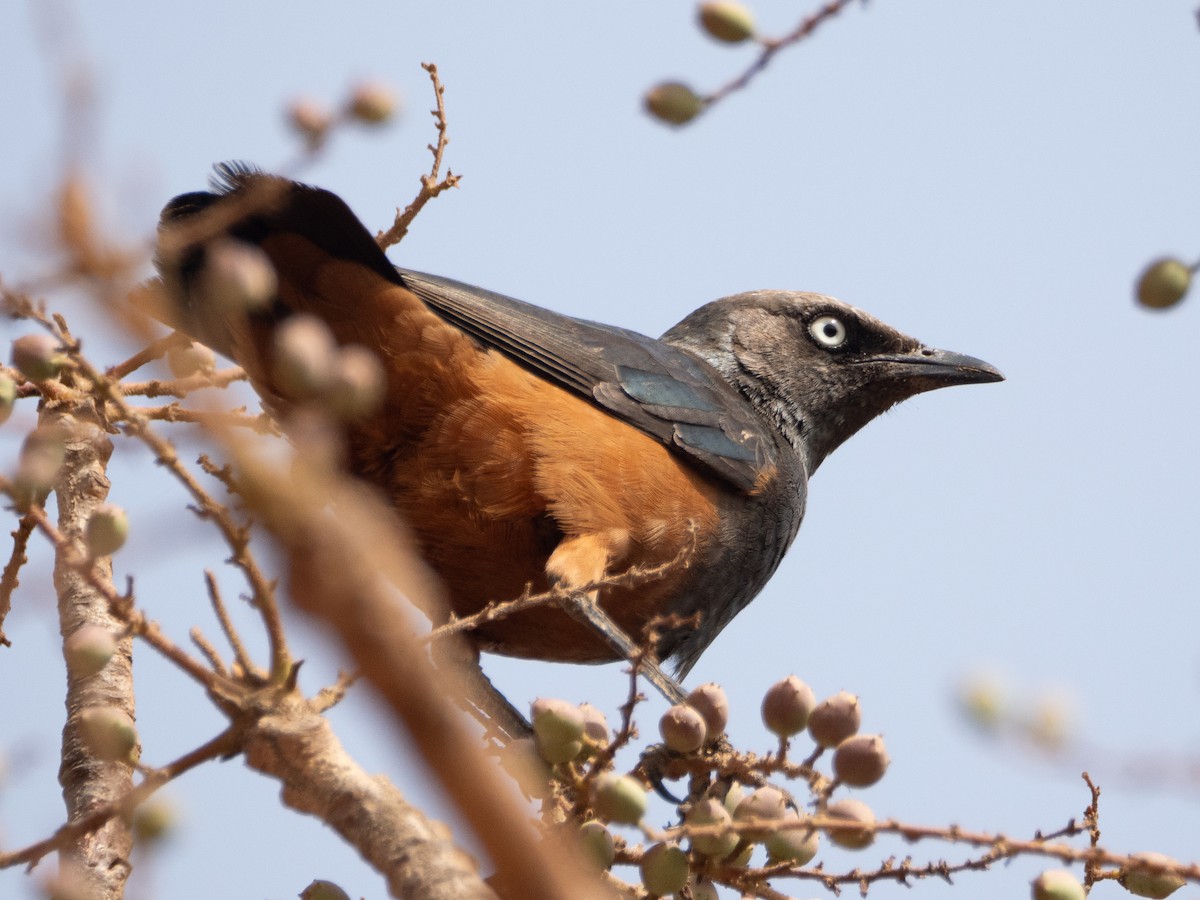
(987, 177)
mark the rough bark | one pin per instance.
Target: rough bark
(98, 861)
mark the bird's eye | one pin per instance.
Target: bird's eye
(828, 331)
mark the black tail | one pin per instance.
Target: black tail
(250, 206)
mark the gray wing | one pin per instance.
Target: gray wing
(660, 389)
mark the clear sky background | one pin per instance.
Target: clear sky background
(989, 177)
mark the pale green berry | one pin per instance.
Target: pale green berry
(109, 733)
(1163, 283)
(1057, 884)
(673, 102)
(853, 811)
(794, 845)
(88, 650)
(323, 890)
(710, 811)
(373, 103)
(834, 719)
(236, 276)
(597, 843)
(357, 383)
(106, 531)
(190, 360)
(305, 353)
(711, 702)
(595, 725)
(1144, 882)
(664, 869)
(727, 21)
(557, 730)
(8, 397)
(682, 729)
(765, 803)
(861, 760)
(153, 821)
(619, 799)
(38, 356)
(787, 705)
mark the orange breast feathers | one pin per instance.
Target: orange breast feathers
(507, 479)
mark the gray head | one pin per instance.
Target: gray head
(818, 368)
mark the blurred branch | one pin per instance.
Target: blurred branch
(294, 743)
(354, 587)
(123, 806)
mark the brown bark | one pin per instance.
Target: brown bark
(98, 861)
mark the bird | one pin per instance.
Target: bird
(529, 449)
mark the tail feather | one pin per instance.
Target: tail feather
(304, 232)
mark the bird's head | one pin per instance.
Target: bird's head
(818, 368)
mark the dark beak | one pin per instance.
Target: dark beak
(938, 368)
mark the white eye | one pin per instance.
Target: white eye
(828, 331)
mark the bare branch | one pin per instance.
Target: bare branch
(431, 186)
(100, 856)
(10, 580)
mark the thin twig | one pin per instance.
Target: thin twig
(227, 627)
(181, 387)
(224, 744)
(773, 46)
(632, 577)
(121, 605)
(155, 350)
(431, 186)
(224, 418)
(10, 580)
(208, 651)
(330, 696)
(236, 536)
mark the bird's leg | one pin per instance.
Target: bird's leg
(478, 696)
(582, 560)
